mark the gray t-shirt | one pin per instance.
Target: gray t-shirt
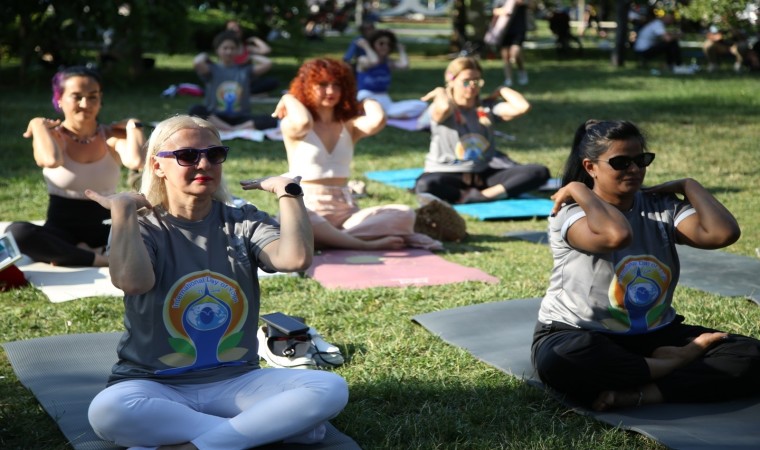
(460, 143)
(228, 88)
(198, 323)
(628, 291)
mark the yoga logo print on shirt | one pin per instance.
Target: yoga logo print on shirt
(204, 313)
(228, 96)
(637, 294)
(471, 147)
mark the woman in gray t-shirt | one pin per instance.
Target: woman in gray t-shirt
(188, 371)
(607, 333)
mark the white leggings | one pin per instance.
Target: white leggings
(257, 408)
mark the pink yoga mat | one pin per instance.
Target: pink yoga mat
(352, 269)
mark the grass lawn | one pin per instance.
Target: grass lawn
(408, 388)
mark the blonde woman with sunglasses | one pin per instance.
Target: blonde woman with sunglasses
(188, 374)
(607, 332)
(463, 164)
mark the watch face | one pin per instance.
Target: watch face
(293, 189)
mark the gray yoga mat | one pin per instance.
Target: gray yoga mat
(500, 334)
(710, 271)
(66, 372)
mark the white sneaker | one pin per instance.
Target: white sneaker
(323, 352)
(290, 352)
(522, 77)
(683, 70)
(507, 82)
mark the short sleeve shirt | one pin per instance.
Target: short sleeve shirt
(198, 323)
(628, 291)
(228, 88)
(461, 143)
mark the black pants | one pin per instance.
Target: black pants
(69, 222)
(671, 50)
(583, 363)
(517, 179)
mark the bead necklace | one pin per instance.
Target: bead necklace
(80, 140)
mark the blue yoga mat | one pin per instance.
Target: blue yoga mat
(400, 178)
(516, 208)
(405, 178)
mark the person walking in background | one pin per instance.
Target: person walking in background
(607, 333)
(188, 374)
(321, 122)
(77, 153)
(228, 88)
(463, 164)
(511, 45)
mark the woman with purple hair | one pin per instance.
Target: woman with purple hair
(77, 153)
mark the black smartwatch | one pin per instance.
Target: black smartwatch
(292, 190)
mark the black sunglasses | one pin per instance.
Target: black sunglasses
(190, 156)
(623, 162)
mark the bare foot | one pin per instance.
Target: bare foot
(384, 243)
(615, 399)
(473, 196)
(690, 351)
(100, 260)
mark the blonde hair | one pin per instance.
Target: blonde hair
(153, 186)
(453, 70)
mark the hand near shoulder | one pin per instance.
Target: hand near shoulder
(437, 93)
(569, 194)
(38, 122)
(274, 184)
(122, 201)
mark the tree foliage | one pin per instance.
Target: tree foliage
(724, 13)
(65, 32)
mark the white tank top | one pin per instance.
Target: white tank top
(72, 178)
(311, 160)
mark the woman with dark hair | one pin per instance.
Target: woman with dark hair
(321, 122)
(607, 333)
(75, 154)
(463, 164)
(373, 74)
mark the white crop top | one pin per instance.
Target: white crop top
(72, 178)
(311, 160)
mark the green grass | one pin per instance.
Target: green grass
(408, 388)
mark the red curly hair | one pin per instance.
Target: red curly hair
(321, 70)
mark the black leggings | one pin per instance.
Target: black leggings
(260, 121)
(516, 180)
(582, 363)
(69, 222)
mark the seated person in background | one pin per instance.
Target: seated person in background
(227, 88)
(654, 39)
(607, 334)
(321, 122)
(77, 153)
(354, 51)
(463, 164)
(373, 74)
(733, 42)
(254, 51)
(188, 374)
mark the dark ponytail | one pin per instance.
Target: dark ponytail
(591, 140)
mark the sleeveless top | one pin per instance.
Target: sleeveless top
(311, 160)
(72, 178)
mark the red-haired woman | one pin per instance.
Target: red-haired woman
(321, 121)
